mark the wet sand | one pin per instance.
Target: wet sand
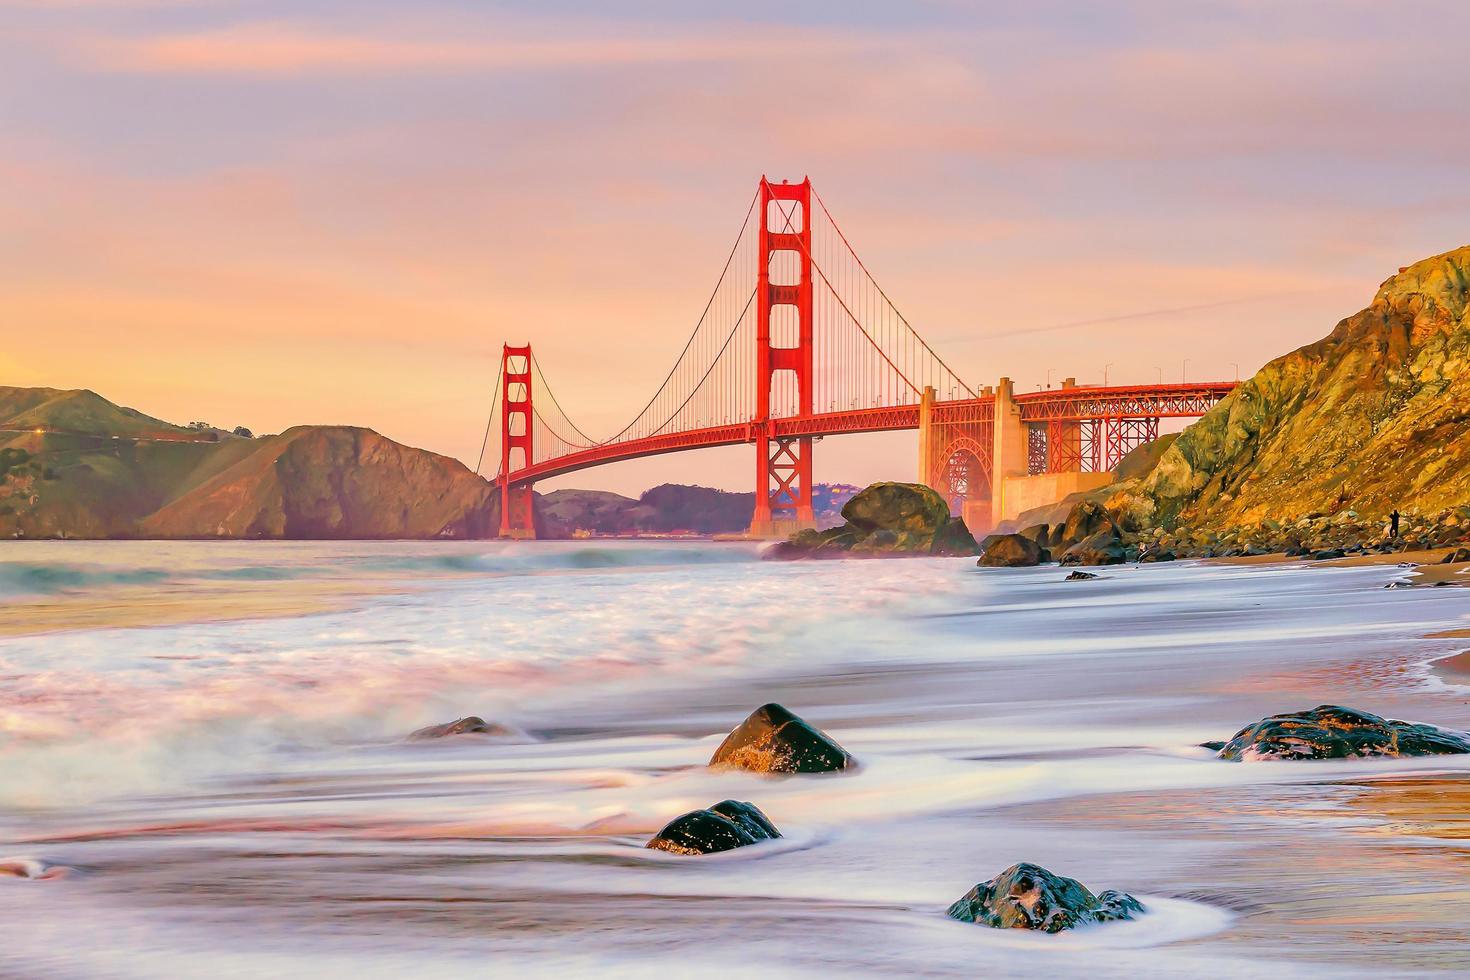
(129, 606)
(1429, 572)
(1351, 873)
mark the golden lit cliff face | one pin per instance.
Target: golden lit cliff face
(1373, 417)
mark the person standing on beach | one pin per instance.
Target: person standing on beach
(1393, 523)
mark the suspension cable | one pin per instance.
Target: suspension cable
(490, 419)
(841, 302)
(837, 228)
(687, 344)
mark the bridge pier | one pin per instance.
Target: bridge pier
(517, 511)
(1010, 456)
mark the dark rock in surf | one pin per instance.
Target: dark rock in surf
(1329, 731)
(471, 725)
(773, 739)
(1027, 896)
(1080, 577)
(1010, 551)
(723, 827)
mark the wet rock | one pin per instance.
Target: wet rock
(1327, 554)
(723, 827)
(885, 520)
(1010, 551)
(773, 739)
(471, 725)
(1458, 555)
(1329, 731)
(1080, 577)
(1027, 896)
(1160, 554)
(1102, 548)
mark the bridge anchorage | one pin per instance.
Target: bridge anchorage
(798, 342)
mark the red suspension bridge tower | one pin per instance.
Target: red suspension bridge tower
(783, 476)
(517, 519)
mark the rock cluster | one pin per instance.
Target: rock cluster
(1315, 536)
(885, 520)
(1027, 896)
(1089, 536)
(1332, 732)
(723, 827)
(772, 739)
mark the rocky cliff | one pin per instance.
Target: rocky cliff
(1374, 417)
(333, 482)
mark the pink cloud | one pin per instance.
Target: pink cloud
(292, 49)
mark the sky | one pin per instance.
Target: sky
(335, 211)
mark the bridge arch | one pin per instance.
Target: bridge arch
(964, 473)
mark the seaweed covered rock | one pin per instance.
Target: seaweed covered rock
(885, 520)
(773, 739)
(1010, 551)
(1079, 577)
(1027, 896)
(1329, 731)
(470, 725)
(723, 827)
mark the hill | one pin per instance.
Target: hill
(73, 464)
(1372, 418)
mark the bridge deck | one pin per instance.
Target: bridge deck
(1061, 404)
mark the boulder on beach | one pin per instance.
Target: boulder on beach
(1010, 551)
(1027, 896)
(1079, 577)
(1040, 533)
(773, 739)
(470, 725)
(723, 827)
(1329, 731)
(1102, 548)
(885, 520)
(1456, 556)
(1087, 519)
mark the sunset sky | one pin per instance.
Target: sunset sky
(336, 210)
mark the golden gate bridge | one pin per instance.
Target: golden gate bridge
(798, 342)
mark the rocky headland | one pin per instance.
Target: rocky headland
(1313, 455)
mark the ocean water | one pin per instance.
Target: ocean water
(211, 791)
